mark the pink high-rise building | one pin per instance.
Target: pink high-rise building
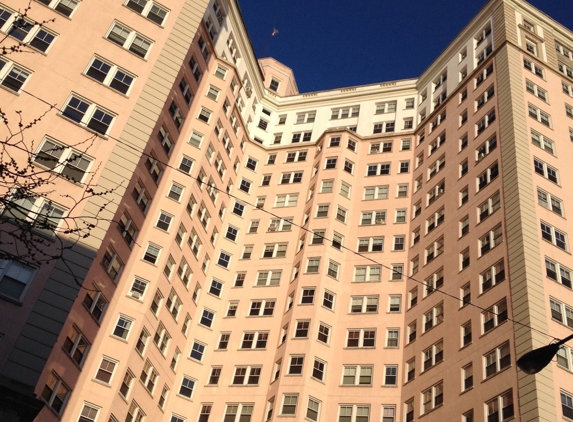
(377, 253)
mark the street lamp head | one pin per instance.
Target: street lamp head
(534, 361)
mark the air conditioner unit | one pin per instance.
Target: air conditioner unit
(378, 221)
(273, 228)
(441, 191)
(481, 154)
(136, 295)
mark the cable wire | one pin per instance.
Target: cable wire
(142, 152)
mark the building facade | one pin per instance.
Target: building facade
(374, 253)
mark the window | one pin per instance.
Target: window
(434, 145)
(122, 327)
(89, 413)
(394, 303)
(434, 316)
(411, 365)
(328, 300)
(353, 413)
(412, 332)
(292, 177)
(494, 315)
(246, 375)
(296, 364)
(149, 377)
(197, 351)
(378, 169)
(500, 408)
(566, 88)
(435, 220)
(558, 272)
(361, 338)
(390, 378)
(389, 107)
(55, 393)
(129, 39)
(433, 282)
(565, 69)
(323, 333)
(432, 397)
(262, 307)
(186, 91)
(150, 9)
(345, 113)
(204, 115)
(156, 303)
(397, 272)
(94, 301)
(435, 249)
(487, 176)
(496, 360)
(559, 310)
(112, 264)
(245, 185)
(238, 412)
(87, 114)
(13, 76)
(341, 214)
(142, 341)
(319, 369)
(363, 304)
(436, 166)
(464, 196)
(492, 276)
(484, 149)
(441, 117)
(402, 191)
(268, 278)
(375, 192)
(224, 341)
(546, 170)
(371, 244)
(550, 202)
(539, 115)
(110, 74)
(207, 318)
(161, 338)
(357, 375)
(490, 240)
(289, 404)
(373, 217)
(554, 235)
(301, 330)
(187, 386)
(63, 160)
(367, 273)
(464, 168)
(254, 340)
(76, 345)
(152, 253)
(463, 142)
(275, 250)
(433, 355)
(274, 85)
(536, 90)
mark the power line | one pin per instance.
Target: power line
(142, 152)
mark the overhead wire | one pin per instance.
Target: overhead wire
(142, 152)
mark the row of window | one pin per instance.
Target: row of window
(497, 409)
(260, 307)
(243, 412)
(489, 278)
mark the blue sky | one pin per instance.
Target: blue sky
(344, 43)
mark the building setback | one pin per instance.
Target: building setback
(375, 253)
